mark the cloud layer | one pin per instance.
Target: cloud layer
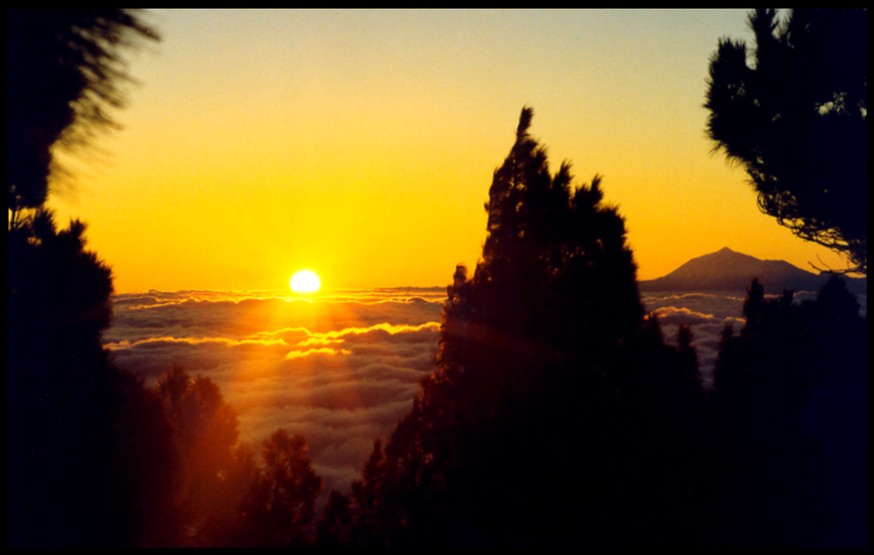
(706, 314)
(341, 369)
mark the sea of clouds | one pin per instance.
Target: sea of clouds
(340, 368)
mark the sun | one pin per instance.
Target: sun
(305, 281)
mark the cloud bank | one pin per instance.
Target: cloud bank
(342, 369)
(706, 314)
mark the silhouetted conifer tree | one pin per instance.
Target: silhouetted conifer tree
(553, 412)
(791, 390)
(335, 526)
(229, 522)
(91, 460)
(213, 472)
(280, 510)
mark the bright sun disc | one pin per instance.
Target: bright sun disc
(305, 281)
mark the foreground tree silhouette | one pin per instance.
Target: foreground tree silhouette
(224, 495)
(280, 509)
(214, 471)
(791, 390)
(551, 389)
(90, 453)
(797, 119)
(66, 74)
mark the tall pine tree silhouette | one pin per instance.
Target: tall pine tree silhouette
(526, 431)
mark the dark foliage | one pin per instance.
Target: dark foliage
(97, 459)
(66, 74)
(90, 461)
(289, 491)
(335, 527)
(795, 114)
(791, 389)
(212, 474)
(556, 412)
(90, 457)
(224, 496)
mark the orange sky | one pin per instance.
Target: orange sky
(361, 144)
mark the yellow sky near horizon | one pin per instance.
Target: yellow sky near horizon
(361, 143)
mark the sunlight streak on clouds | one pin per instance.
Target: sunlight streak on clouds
(318, 351)
(341, 368)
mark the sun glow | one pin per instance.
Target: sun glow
(305, 281)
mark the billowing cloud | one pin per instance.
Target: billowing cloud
(343, 369)
(706, 314)
(682, 316)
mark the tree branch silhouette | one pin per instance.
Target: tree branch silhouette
(793, 111)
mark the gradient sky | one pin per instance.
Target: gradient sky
(361, 144)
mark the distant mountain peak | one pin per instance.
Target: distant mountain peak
(725, 251)
(729, 270)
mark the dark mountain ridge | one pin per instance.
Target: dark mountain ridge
(728, 270)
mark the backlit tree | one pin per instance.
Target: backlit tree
(554, 399)
(67, 73)
(793, 111)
